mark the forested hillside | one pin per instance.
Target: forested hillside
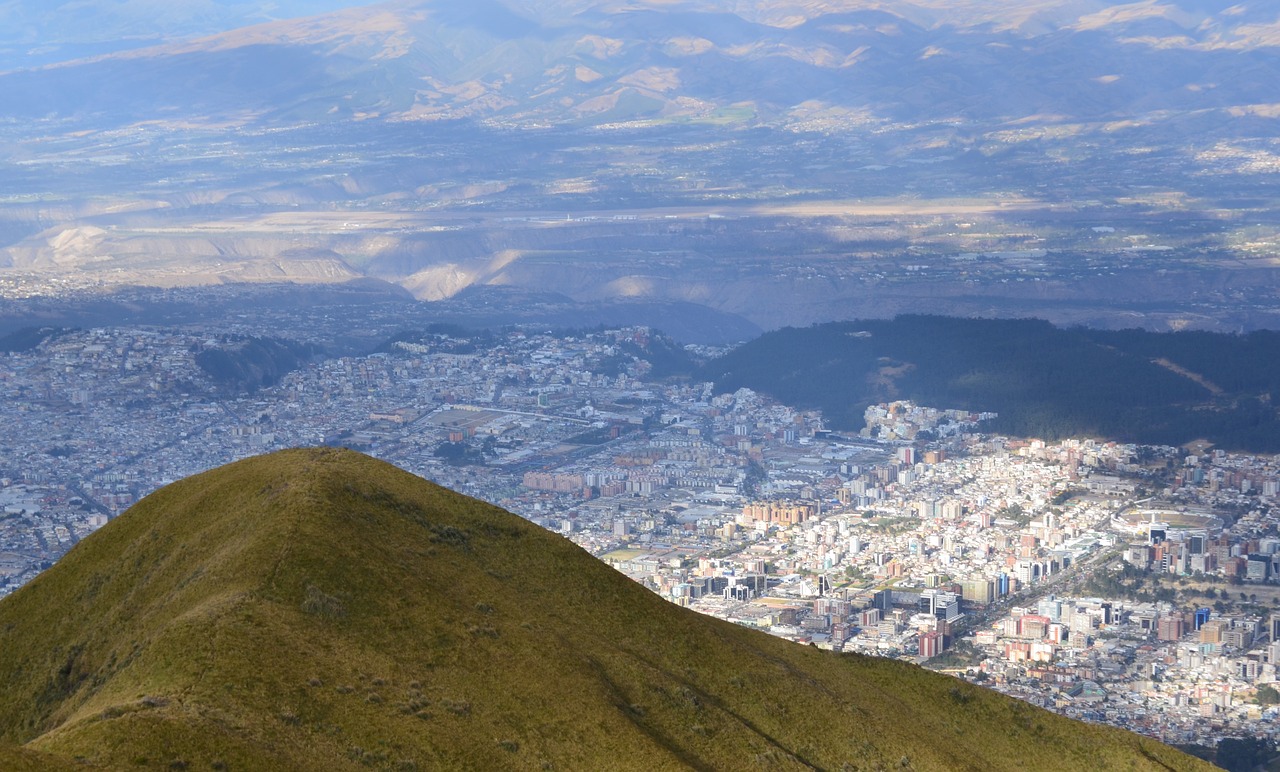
(1129, 385)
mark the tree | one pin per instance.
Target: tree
(1268, 695)
(756, 475)
(1240, 754)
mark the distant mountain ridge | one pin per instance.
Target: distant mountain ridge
(319, 609)
(40, 32)
(782, 162)
(836, 64)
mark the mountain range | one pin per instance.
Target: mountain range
(319, 609)
(782, 162)
(36, 33)
(843, 63)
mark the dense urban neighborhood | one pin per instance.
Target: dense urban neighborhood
(1116, 583)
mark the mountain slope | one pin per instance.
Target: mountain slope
(320, 609)
(1044, 381)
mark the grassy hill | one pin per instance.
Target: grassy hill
(319, 609)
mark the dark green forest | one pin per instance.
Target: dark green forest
(1047, 382)
(28, 338)
(245, 364)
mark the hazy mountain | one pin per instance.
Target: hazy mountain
(318, 609)
(36, 32)
(788, 162)
(835, 63)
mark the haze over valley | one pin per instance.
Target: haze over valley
(937, 331)
(789, 164)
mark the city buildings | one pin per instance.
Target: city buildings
(1109, 582)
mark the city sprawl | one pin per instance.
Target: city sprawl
(1117, 583)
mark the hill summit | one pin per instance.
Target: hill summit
(319, 609)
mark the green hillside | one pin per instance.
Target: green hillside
(1044, 381)
(319, 609)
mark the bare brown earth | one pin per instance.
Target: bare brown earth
(1173, 367)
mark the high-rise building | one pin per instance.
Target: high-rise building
(1171, 627)
(1258, 567)
(940, 604)
(1202, 616)
(781, 512)
(1027, 571)
(930, 644)
(980, 591)
(1212, 631)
